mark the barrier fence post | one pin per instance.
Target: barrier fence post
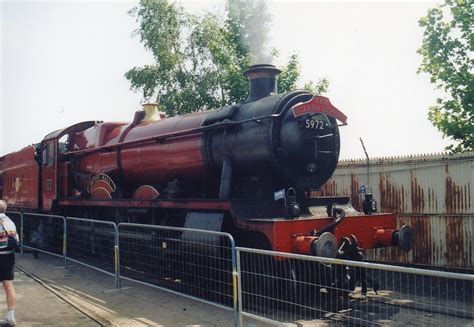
(65, 242)
(239, 287)
(21, 232)
(235, 285)
(117, 259)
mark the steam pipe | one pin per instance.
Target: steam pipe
(368, 161)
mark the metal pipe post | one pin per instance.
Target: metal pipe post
(368, 161)
(21, 232)
(234, 283)
(65, 242)
(239, 287)
(118, 284)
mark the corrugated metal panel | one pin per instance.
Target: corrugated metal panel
(442, 240)
(432, 193)
(435, 184)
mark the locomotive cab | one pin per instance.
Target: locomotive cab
(54, 167)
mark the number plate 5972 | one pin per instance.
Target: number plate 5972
(313, 124)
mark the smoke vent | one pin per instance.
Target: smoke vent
(262, 81)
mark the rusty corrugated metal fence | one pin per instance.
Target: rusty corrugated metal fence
(432, 193)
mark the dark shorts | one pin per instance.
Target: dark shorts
(7, 264)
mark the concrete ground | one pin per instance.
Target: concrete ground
(39, 307)
(48, 295)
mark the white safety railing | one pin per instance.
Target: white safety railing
(43, 233)
(284, 288)
(195, 263)
(92, 243)
(274, 287)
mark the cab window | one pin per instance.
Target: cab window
(63, 144)
(48, 155)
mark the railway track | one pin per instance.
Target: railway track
(82, 306)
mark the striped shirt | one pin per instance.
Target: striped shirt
(9, 225)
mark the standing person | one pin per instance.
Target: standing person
(7, 263)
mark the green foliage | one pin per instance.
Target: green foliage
(447, 52)
(199, 60)
(290, 74)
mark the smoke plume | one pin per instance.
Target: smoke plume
(251, 20)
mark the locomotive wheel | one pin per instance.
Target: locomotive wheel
(314, 288)
(310, 288)
(343, 281)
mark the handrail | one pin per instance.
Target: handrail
(361, 264)
(165, 136)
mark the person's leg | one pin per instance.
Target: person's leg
(11, 299)
(10, 291)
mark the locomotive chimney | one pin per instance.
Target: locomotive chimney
(262, 81)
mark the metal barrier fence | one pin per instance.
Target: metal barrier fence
(280, 288)
(43, 233)
(196, 263)
(92, 243)
(269, 286)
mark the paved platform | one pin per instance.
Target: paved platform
(39, 307)
(49, 295)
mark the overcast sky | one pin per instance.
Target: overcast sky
(63, 62)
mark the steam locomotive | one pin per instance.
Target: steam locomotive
(251, 169)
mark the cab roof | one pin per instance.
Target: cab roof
(79, 127)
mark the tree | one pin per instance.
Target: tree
(199, 60)
(447, 52)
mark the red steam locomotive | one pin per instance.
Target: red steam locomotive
(251, 169)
